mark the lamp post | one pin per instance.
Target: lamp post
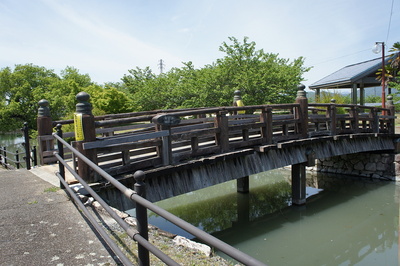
(380, 46)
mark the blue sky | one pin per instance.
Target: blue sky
(107, 38)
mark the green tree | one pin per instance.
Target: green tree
(24, 86)
(21, 90)
(393, 68)
(262, 78)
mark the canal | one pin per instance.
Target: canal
(346, 221)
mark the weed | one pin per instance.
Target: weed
(52, 189)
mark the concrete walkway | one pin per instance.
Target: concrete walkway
(41, 226)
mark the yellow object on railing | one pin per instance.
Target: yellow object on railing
(78, 126)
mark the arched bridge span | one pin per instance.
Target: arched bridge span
(185, 150)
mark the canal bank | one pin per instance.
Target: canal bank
(41, 226)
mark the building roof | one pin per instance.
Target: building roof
(364, 72)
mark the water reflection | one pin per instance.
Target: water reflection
(13, 142)
(349, 221)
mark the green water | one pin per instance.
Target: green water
(346, 221)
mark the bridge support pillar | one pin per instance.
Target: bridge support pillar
(299, 184)
(243, 184)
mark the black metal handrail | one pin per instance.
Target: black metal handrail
(14, 157)
(7, 156)
(137, 195)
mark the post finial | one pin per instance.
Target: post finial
(83, 107)
(237, 95)
(43, 108)
(301, 91)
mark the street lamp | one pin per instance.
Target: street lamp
(378, 47)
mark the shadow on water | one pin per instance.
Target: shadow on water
(345, 221)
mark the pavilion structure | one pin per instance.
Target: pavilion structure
(357, 76)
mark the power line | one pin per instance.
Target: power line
(336, 58)
(390, 21)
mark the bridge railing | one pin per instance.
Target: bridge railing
(17, 159)
(199, 133)
(126, 142)
(336, 119)
(138, 196)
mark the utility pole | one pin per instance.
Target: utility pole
(161, 66)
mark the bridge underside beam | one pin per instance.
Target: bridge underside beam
(173, 180)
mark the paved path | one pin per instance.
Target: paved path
(40, 226)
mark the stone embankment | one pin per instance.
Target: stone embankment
(381, 166)
(180, 249)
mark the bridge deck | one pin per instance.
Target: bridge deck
(40, 227)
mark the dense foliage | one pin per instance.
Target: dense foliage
(393, 68)
(22, 88)
(262, 77)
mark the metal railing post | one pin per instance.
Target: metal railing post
(141, 217)
(17, 159)
(61, 153)
(34, 156)
(25, 129)
(5, 155)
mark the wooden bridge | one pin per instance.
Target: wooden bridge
(188, 149)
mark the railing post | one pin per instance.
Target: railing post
(266, 130)
(392, 113)
(34, 156)
(5, 155)
(332, 116)
(303, 110)
(355, 121)
(60, 146)
(25, 129)
(164, 122)
(44, 127)
(222, 137)
(85, 131)
(141, 218)
(17, 159)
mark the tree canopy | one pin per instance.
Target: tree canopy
(262, 77)
(24, 86)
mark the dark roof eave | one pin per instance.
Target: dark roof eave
(332, 85)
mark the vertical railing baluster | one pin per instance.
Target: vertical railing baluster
(222, 137)
(302, 113)
(34, 156)
(141, 218)
(5, 155)
(25, 129)
(60, 147)
(332, 115)
(17, 159)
